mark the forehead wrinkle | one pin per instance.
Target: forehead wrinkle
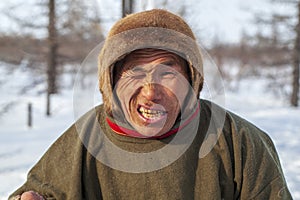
(151, 56)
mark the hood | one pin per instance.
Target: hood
(158, 29)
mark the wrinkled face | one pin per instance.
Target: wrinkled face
(151, 86)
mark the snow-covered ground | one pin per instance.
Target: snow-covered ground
(21, 147)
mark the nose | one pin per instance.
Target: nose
(151, 92)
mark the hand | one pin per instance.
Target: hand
(31, 195)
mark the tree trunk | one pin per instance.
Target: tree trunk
(29, 117)
(51, 62)
(127, 7)
(296, 64)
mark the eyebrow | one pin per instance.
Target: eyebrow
(137, 69)
(169, 62)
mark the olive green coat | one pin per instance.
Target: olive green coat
(243, 164)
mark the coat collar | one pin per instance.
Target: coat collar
(123, 129)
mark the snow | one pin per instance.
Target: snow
(21, 147)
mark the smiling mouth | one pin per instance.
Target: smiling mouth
(151, 115)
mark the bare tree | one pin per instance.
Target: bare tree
(72, 30)
(127, 7)
(276, 49)
(296, 63)
(52, 55)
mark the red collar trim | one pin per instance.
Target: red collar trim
(132, 133)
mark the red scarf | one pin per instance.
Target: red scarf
(132, 133)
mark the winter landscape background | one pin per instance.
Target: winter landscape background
(250, 97)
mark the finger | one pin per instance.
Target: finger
(31, 195)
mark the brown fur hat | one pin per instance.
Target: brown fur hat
(156, 28)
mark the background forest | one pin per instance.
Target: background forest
(43, 43)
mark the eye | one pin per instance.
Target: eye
(138, 76)
(168, 74)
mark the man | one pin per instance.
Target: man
(153, 138)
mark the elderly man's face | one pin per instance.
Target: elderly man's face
(151, 86)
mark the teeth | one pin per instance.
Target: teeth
(151, 114)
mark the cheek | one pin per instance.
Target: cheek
(125, 89)
(177, 90)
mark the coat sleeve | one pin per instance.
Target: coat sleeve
(258, 172)
(57, 175)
